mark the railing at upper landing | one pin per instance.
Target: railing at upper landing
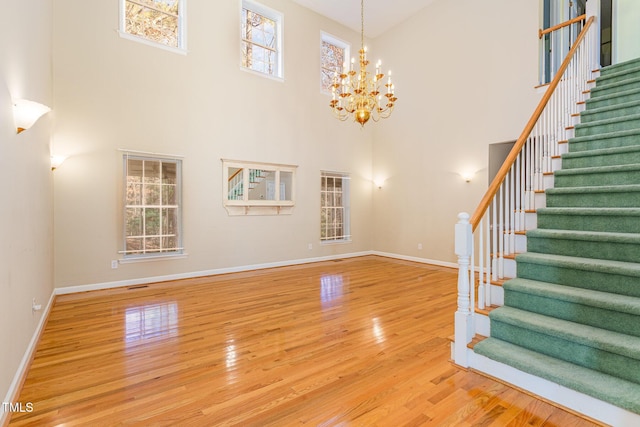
(484, 239)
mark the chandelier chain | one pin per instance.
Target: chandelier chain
(362, 24)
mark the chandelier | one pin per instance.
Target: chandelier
(358, 93)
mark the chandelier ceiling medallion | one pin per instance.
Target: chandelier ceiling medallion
(357, 93)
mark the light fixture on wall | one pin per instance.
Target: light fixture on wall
(467, 176)
(357, 93)
(26, 113)
(56, 161)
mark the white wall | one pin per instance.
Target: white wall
(114, 93)
(26, 226)
(465, 73)
(626, 22)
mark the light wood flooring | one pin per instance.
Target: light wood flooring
(354, 342)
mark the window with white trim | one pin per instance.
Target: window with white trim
(159, 22)
(152, 206)
(256, 188)
(261, 37)
(334, 207)
(334, 53)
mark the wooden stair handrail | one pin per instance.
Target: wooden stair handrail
(515, 151)
(562, 25)
(235, 174)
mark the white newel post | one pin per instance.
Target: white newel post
(463, 318)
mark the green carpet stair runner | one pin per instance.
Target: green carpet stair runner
(572, 314)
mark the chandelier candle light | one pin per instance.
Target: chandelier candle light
(360, 96)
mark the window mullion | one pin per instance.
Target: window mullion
(260, 45)
(148, 6)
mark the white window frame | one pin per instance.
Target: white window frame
(182, 29)
(178, 251)
(277, 205)
(276, 16)
(328, 202)
(328, 38)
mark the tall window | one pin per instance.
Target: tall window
(334, 54)
(152, 211)
(160, 22)
(261, 39)
(334, 207)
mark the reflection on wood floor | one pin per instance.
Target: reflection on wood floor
(357, 342)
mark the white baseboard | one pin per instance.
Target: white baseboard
(568, 398)
(21, 372)
(416, 259)
(190, 275)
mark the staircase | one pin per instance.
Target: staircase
(572, 314)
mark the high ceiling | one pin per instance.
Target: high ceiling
(379, 15)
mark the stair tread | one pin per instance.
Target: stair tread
(605, 236)
(605, 135)
(624, 211)
(606, 387)
(607, 108)
(622, 188)
(599, 169)
(586, 264)
(590, 336)
(612, 120)
(605, 79)
(589, 297)
(602, 84)
(602, 152)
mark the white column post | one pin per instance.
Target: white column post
(593, 9)
(464, 327)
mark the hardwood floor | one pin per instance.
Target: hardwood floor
(358, 342)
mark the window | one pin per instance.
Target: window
(334, 55)
(253, 188)
(334, 207)
(152, 208)
(261, 39)
(159, 22)
(554, 46)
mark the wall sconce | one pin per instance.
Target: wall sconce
(57, 161)
(26, 113)
(378, 183)
(467, 176)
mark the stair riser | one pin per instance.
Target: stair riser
(616, 177)
(627, 66)
(577, 145)
(588, 222)
(613, 159)
(581, 278)
(613, 99)
(622, 86)
(617, 76)
(563, 349)
(614, 251)
(566, 310)
(594, 128)
(595, 200)
(587, 117)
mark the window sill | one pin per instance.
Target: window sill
(336, 242)
(148, 258)
(236, 210)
